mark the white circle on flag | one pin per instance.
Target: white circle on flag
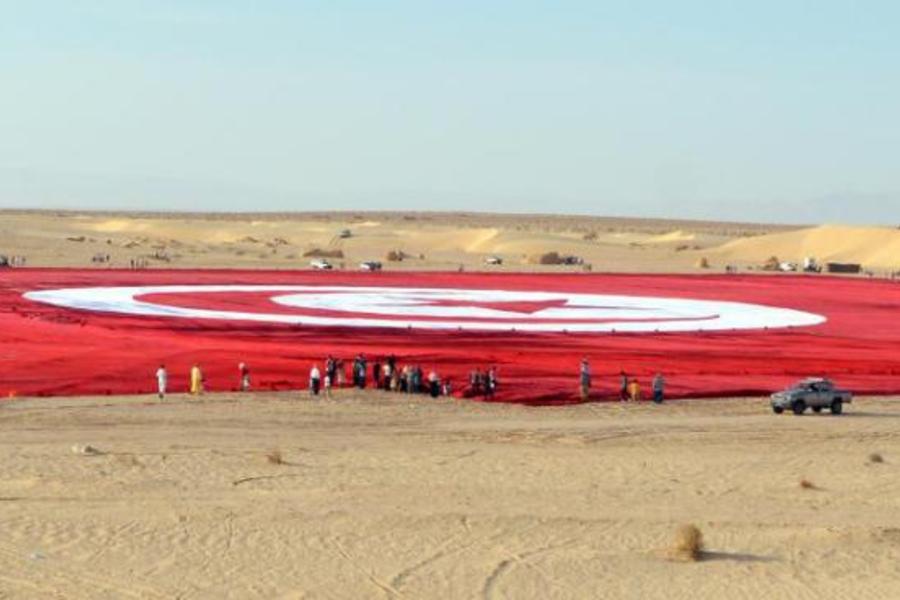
(439, 308)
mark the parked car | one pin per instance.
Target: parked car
(321, 264)
(370, 265)
(787, 267)
(811, 393)
(493, 260)
(345, 233)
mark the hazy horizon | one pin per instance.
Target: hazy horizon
(763, 113)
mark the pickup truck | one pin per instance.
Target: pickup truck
(811, 393)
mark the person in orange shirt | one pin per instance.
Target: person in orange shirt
(196, 380)
(634, 390)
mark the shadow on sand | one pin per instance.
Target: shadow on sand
(879, 415)
(736, 557)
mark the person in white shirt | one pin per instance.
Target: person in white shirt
(244, 371)
(162, 380)
(315, 378)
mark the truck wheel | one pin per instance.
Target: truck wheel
(777, 409)
(837, 406)
(799, 407)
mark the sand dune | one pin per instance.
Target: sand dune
(873, 247)
(672, 237)
(432, 241)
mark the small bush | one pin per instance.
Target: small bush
(771, 264)
(396, 256)
(876, 458)
(549, 258)
(274, 457)
(323, 253)
(806, 484)
(687, 544)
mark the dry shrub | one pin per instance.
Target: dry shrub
(549, 258)
(396, 256)
(590, 236)
(876, 458)
(274, 457)
(687, 545)
(703, 263)
(771, 264)
(86, 450)
(806, 484)
(323, 253)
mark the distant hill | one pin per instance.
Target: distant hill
(873, 247)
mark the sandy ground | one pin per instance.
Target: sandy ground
(433, 241)
(430, 241)
(385, 496)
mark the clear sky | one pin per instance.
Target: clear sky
(752, 110)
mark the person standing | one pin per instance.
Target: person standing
(416, 379)
(162, 381)
(392, 363)
(196, 380)
(434, 384)
(623, 386)
(361, 372)
(387, 376)
(341, 373)
(376, 374)
(634, 391)
(315, 380)
(327, 384)
(244, 371)
(331, 369)
(585, 380)
(407, 384)
(395, 380)
(491, 382)
(475, 383)
(659, 388)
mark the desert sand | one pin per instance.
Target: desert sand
(433, 241)
(386, 496)
(876, 248)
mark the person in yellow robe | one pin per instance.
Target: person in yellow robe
(196, 380)
(634, 390)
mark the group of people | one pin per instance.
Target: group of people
(386, 375)
(12, 261)
(483, 382)
(629, 388)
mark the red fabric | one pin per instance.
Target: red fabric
(46, 350)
